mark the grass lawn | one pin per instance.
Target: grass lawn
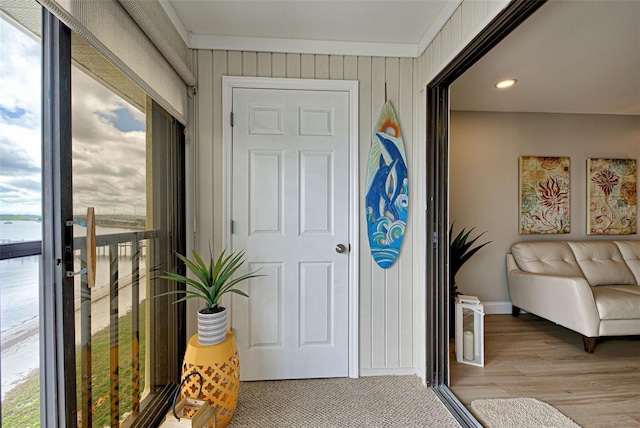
(21, 405)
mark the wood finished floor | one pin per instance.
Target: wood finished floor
(531, 357)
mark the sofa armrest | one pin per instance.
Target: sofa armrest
(565, 300)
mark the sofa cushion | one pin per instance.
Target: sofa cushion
(630, 251)
(546, 257)
(601, 263)
(617, 302)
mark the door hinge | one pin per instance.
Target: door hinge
(231, 119)
(232, 226)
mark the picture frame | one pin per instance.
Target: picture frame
(612, 207)
(545, 195)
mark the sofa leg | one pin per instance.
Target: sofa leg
(515, 311)
(589, 343)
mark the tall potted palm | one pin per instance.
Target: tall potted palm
(460, 252)
(210, 282)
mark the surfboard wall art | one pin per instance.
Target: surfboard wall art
(387, 200)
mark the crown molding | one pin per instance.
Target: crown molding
(306, 46)
(327, 47)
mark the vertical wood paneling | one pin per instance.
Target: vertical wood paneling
(392, 298)
(466, 19)
(366, 327)
(445, 42)
(307, 66)
(293, 66)
(336, 67)
(351, 68)
(249, 64)
(386, 296)
(278, 65)
(204, 150)
(219, 70)
(479, 12)
(264, 64)
(322, 67)
(422, 68)
(235, 66)
(405, 280)
(455, 31)
(418, 224)
(436, 53)
(392, 70)
(378, 275)
(493, 6)
(462, 26)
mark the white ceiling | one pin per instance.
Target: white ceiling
(362, 27)
(569, 57)
(578, 56)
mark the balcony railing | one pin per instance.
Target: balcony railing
(14, 250)
(131, 244)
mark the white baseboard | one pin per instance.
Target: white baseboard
(388, 372)
(497, 307)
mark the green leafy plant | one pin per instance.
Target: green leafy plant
(211, 281)
(460, 252)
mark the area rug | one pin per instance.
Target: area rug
(380, 402)
(520, 413)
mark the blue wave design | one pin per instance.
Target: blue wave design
(386, 234)
(387, 201)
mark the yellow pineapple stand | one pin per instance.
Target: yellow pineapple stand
(220, 369)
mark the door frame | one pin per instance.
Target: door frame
(351, 87)
(437, 164)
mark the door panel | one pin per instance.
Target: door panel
(316, 195)
(265, 192)
(290, 210)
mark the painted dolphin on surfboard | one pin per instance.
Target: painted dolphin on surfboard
(387, 197)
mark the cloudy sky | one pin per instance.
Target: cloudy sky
(108, 137)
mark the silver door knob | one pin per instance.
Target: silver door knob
(340, 248)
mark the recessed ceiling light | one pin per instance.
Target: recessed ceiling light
(507, 83)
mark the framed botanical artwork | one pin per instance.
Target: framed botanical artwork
(545, 195)
(612, 186)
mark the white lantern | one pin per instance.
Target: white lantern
(469, 330)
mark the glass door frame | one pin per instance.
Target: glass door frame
(57, 323)
(58, 402)
(437, 239)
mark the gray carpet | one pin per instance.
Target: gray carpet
(381, 401)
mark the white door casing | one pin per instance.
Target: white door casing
(292, 197)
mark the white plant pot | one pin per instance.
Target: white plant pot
(212, 328)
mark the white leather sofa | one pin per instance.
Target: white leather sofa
(591, 287)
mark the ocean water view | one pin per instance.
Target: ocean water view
(19, 299)
(19, 277)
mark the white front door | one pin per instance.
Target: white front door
(290, 210)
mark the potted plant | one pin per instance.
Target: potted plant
(211, 281)
(460, 252)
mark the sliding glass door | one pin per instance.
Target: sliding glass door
(20, 212)
(127, 220)
(92, 205)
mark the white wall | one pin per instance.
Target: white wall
(387, 336)
(484, 152)
(392, 302)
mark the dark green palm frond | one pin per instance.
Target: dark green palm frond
(460, 250)
(211, 281)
